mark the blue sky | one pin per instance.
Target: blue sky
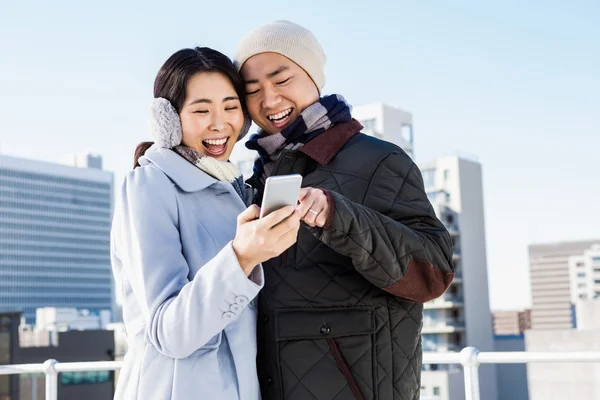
(517, 85)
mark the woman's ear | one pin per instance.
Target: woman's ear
(164, 123)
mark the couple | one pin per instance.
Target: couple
(219, 304)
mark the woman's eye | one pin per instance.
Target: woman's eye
(231, 108)
(201, 112)
(282, 82)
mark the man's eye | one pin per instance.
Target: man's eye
(254, 92)
(282, 82)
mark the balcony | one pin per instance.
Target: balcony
(470, 359)
(456, 255)
(453, 229)
(447, 301)
(438, 326)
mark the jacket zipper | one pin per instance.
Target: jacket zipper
(337, 354)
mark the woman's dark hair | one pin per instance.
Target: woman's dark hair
(172, 79)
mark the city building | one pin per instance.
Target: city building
(511, 322)
(71, 346)
(512, 378)
(70, 319)
(551, 268)
(461, 317)
(584, 272)
(387, 123)
(559, 381)
(54, 228)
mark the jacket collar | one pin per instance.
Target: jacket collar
(325, 146)
(185, 175)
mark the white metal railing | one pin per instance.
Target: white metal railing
(470, 358)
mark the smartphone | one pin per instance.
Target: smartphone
(280, 191)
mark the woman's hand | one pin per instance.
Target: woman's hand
(259, 240)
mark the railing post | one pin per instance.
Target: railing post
(470, 365)
(51, 379)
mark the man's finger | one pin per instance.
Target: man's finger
(305, 205)
(303, 193)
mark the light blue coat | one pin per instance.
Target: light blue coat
(188, 307)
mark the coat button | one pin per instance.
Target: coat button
(325, 330)
(269, 380)
(241, 300)
(235, 308)
(228, 315)
(265, 319)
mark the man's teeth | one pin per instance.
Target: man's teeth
(281, 115)
(216, 142)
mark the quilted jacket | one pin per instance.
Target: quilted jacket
(340, 314)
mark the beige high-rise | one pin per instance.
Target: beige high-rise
(550, 283)
(511, 322)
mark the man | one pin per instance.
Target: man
(340, 313)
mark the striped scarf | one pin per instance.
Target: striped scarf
(221, 170)
(313, 121)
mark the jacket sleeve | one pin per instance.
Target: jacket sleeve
(180, 315)
(394, 238)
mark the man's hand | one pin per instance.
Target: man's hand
(314, 207)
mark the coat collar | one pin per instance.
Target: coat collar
(325, 146)
(185, 175)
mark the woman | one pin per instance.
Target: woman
(187, 275)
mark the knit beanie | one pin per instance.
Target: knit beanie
(290, 40)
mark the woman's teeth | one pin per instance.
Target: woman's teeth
(216, 142)
(215, 147)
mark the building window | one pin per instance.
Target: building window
(369, 125)
(581, 275)
(436, 391)
(428, 177)
(407, 133)
(446, 174)
(79, 378)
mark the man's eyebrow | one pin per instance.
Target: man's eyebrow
(278, 71)
(269, 75)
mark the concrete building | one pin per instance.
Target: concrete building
(559, 381)
(461, 317)
(387, 123)
(512, 378)
(584, 271)
(440, 385)
(588, 314)
(552, 302)
(70, 319)
(54, 235)
(511, 322)
(73, 346)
